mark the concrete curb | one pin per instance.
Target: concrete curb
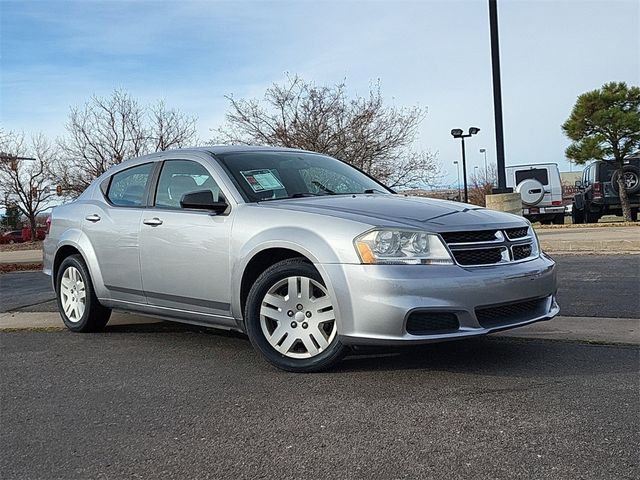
(623, 331)
(21, 256)
(597, 240)
(596, 246)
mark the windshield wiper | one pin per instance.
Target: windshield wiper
(303, 194)
(323, 188)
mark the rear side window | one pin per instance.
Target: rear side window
(128, 186)
(539, 174)
(606, 171)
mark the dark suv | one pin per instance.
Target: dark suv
(598, 191)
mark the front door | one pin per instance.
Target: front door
(184, 254)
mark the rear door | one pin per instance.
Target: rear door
(113, 228)
(184, 253)
(541, 175)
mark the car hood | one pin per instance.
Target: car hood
(401, 210)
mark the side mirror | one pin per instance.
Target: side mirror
(202, 200)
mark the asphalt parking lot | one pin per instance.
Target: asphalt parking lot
(186, 404)
(171, 401)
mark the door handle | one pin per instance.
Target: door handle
(93, 218)
(154, 222)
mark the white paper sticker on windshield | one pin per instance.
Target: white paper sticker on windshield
(261, 180)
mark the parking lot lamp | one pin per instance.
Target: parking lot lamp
(458, 133)
(486, 172)
(457, 164)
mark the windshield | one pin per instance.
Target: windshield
(276, 175)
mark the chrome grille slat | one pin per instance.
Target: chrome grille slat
(490, 247)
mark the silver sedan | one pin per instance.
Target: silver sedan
(302, 252)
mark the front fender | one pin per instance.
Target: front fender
(301, 240)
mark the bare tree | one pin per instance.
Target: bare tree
(108, 131)
(26, 181)
(170, 128)
(482, 184)
(362, 131)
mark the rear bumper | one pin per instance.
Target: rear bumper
(543, 210)
(374, 301)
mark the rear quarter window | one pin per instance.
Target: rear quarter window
(539, 174)
(606, 171)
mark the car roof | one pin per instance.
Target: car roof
(532, 165)
(225, 149)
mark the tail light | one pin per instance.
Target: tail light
(48, 225)
(597, 190)
(556, 203)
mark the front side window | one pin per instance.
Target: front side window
(127, 187)
(277, 175)
(179, 177)
(539, 174)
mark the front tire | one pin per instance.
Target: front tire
(77, 301)
(290, 318)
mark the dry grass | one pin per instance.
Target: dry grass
(21, 246)
(19, 267)
(588, 225)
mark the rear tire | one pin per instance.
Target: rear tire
(590, 217)
(77, 302)
(577, 216)
(289, 318)
(631, 179)
(558, 219)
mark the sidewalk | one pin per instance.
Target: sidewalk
(21, 256)
(578, 329)
(590, 240)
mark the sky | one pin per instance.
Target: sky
(436, 54)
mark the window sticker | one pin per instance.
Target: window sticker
(261, 180)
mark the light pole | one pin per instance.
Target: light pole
(497, 98)
(457, 133)
(457, 164)
(486, 172)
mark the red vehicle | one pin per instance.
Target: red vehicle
(12, 236)
(41, 232)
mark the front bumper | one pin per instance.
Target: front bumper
(374, 301)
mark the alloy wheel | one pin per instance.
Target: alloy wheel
(73, 294)
(630, 180)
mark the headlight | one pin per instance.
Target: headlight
(392, 246)
(535, 243)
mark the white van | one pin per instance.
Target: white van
(540, 187)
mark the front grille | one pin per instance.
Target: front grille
(480, 256)
(505, 314)
(432, 323)
(470, 237)
(521, 252)
(514, 233)
(489, 247)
